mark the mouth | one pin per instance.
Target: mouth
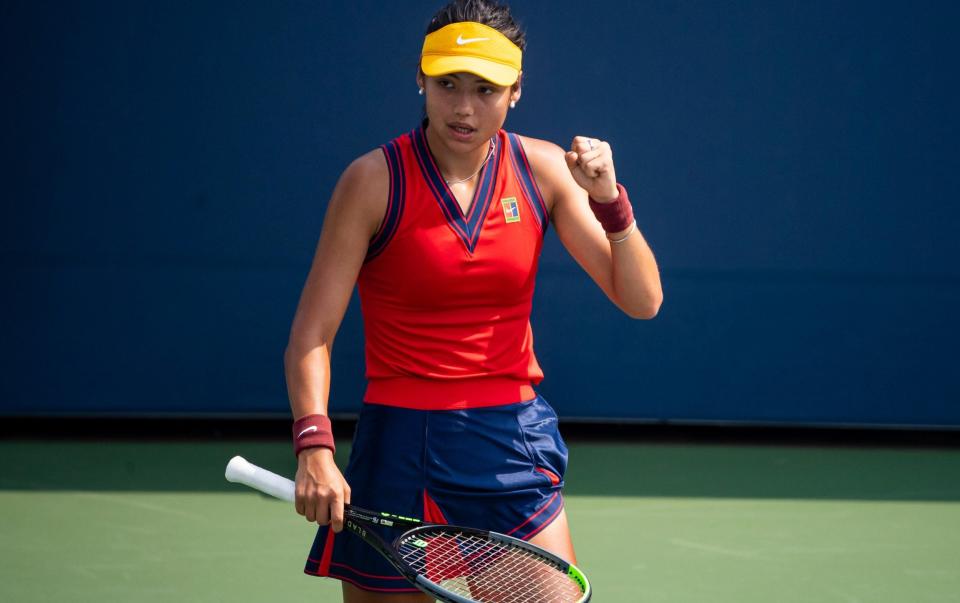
(461, 130)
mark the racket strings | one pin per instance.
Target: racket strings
(488, 571)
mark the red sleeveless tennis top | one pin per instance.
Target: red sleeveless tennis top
(446, 297)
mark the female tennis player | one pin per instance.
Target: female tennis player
(442, 229)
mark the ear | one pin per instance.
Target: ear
(515, 89)
(421, 79)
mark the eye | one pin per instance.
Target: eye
(486, 90)
(445, 83)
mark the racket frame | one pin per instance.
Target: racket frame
(434, 589)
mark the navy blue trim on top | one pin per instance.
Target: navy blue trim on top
(468, 226)
(395, 200)
(527, 182)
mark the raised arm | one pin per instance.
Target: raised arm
(626, 271)
(353, 216)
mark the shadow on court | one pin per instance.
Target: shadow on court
(597, 468)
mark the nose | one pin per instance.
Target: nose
(462, 106)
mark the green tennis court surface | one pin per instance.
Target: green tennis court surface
(125, 521)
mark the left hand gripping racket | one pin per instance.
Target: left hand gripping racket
(450, 563)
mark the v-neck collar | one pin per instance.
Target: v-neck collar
(466, 226)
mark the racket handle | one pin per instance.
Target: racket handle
(241, 471)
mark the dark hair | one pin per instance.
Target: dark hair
(488, 12)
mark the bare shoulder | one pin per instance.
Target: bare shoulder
(549, 168)
(362, 190)
(543, 154)
(364, 177)
(370, 163)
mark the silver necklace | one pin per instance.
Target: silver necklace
(471, 176)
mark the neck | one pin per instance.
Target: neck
(456, 164)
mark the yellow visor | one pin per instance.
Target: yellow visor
(474, 48)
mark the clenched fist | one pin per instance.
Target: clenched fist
(591, 163)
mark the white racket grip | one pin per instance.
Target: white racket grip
(241, 471)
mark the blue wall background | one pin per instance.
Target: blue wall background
(793, 165)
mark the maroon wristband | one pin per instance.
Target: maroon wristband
(312, 431)
(615, 216)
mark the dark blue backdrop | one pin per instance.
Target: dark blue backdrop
(793, 165)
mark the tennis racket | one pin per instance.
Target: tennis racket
(450, 563)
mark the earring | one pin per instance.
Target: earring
(421, 92)
(513, 104)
